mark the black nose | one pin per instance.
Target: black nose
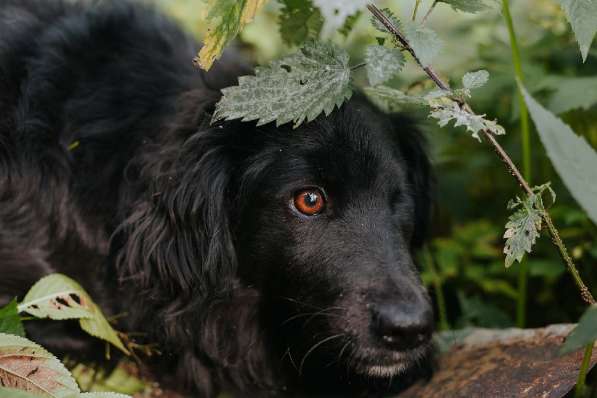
(402, 326)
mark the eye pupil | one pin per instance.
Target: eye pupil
(311, 199)
(309, 202)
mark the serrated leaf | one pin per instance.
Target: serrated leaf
(582, 15)
(27, 366)
(296, 88)
(584, 333)
(571, 155)
(299, 21)
(13, 393)
(473, 80)
(390, 16)
(473, 123)
(10, 321)
(424, 41)
(471, 6)
(391, 100)
(57, 296)
(335, 13)
(522, 229)
(225, 19)
(383, 63)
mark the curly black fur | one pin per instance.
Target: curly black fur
(111, 173)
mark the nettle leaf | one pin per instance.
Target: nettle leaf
(471, 6)
(14, 393)
(26, 366)
(572, 93)
(473, 123)
(56, 296)
(390, 16)
(473, 80)
(582, 15)
(335, 12)
(296, 88)
(383, 63)
(225, 19)
(571, 155)
(300, 21)
(584, 333)
(424, 41)
(391, 100)
(10, 321)
(522, 228)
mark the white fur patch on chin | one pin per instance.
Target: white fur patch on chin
(385, 371)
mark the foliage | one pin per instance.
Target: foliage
(383, 63)
(296, 88)
(471, 6)
(335, 12)
(10, 321)
(582, 15)
(299, 21)
(584, 333)
(424, 41)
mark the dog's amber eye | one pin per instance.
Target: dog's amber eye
(310, 202)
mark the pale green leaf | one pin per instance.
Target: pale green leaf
(424, 41)
(383, 63)
(573, 93)
(10, 321)
(473, 80)
(584, 333)
(14, 393)
(335, 13)
(391, 100)
(522, 229)
(27, 366)
(390, 16)
(225, 19)
(473, 123)
(57, 296)
(296, 88)
(572, 156)
(299, 21)
(471, 6)
(582, 15)
(101, 395)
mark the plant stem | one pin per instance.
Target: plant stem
(526, 155)
(555, 236)
(579, 392)
(417, 4)
(439, 290)
(358, 66)
(430, 11)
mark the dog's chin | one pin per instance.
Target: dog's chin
(374, 364)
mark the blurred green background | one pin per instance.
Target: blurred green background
(464, 258)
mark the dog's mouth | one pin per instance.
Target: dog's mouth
(390, 364)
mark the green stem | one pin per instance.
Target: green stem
(526, 156)
(429, 11)
(582, 374)
(417, 4)
(439, 290)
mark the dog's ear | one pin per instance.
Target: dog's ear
(413, 147)
(177, 243)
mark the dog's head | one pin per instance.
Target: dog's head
(320, 222)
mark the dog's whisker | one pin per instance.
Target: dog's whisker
(315, 347)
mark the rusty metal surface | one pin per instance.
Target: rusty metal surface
(509, 363)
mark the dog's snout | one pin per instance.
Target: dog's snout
(399, 326)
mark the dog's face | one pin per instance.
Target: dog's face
(327, 236)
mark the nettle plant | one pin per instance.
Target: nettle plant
(319, 77)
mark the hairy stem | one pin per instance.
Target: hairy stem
(512, 169)
(526, 155)
(579, 392)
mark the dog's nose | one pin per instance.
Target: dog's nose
(400, 326)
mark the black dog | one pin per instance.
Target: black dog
(260, 259)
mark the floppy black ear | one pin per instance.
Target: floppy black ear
(413, 146)
(177, 243)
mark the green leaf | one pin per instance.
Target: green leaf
(584, 333)
(522, 228)
(26, 366)
(13, 393)
(471, 6)
(391, 100)
(572, 156)
(299, 21)
(473, 123)
(582, 15)
(573, 93)
(101, 395)
(335, 13)
(473, 80)
(350, 23)
(424, 41)
(10, 321)
(383, 63)
(296, 88)
(225, 19)
(390, 16)
(58, 297)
